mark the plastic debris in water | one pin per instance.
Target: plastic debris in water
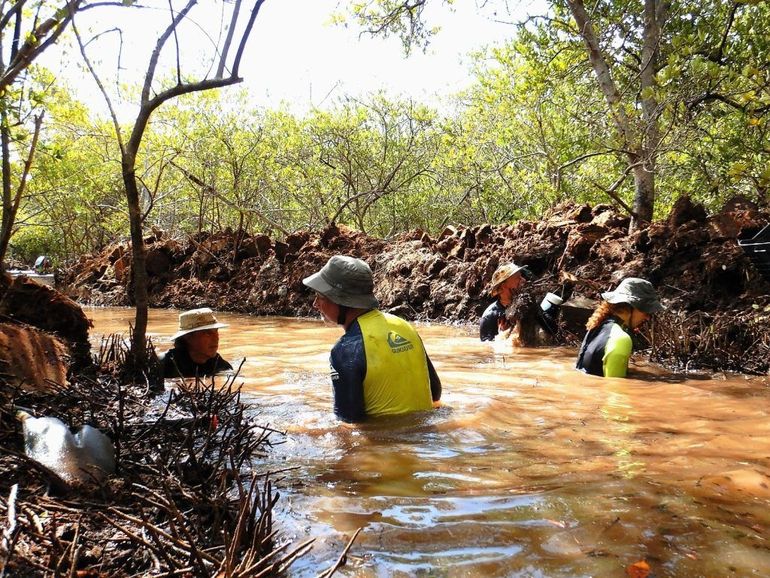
(87, 455)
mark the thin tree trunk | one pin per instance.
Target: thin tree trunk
(11, 208)
(655, 13)
(5, 229)
(138, 262)
(641, 147)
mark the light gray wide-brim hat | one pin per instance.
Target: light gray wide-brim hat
(638, 293)
(196, 320)
(345, 281)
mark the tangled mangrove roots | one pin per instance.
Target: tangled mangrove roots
(187, 498)
(737, 341)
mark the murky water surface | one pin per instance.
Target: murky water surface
(529, 468)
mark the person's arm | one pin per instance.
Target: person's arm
(348, 366)
(435, 381)
(617, 352)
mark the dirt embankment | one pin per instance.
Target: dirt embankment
(718, 304)
(43, 334)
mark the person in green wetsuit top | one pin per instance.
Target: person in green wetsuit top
(607, 346)
(379, 367)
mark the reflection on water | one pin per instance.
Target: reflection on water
(529, 468)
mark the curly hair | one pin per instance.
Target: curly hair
(604, 310)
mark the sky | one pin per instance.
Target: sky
(324, 61)
(297, 59)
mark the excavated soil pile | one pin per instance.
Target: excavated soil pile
(718, 304)
(43, 334)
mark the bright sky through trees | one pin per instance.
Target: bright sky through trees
(296, 56)
(315, 61)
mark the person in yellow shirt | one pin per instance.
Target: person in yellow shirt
(379, 366)
(607, 346)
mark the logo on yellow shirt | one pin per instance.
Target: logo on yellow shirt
(398, 344)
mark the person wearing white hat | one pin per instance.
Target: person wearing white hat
(379, 366)
(506, 282)
(196, 345)
(607, 346)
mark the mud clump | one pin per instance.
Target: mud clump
(702, 274)
(43, 334)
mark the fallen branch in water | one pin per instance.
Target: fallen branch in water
(342, 560)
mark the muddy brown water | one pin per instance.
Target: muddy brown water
(528, 469)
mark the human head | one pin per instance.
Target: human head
(199, 332)
(507, 276)
(638, 293)
(345, 281)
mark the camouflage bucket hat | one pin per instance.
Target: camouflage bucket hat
(636, 292)
(345, 281)
(505, 272)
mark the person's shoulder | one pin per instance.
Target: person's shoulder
(170, 363)
(352, 334)
(166, 355)
(221, 364)
(620, 337)
(495, 308)
(349, 340)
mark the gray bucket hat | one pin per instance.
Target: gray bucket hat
(197, 320)
(638, 293)
(345, 281)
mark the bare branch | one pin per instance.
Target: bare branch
(159, 47)
(245, 37)
(105, 95)
(229, 39)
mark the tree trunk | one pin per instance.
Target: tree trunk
(655, 13)
(11, 205)
(642, 145)
(8, 218)
(138, 264)
(644, 194)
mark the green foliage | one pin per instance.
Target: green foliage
(392, 17)
(533, 130)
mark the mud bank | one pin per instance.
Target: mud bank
(718, 304)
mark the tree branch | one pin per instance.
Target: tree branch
(228, 39)
(32, 48)
(159, 47)
(105, 95)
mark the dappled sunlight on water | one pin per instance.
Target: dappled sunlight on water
(529, 468)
